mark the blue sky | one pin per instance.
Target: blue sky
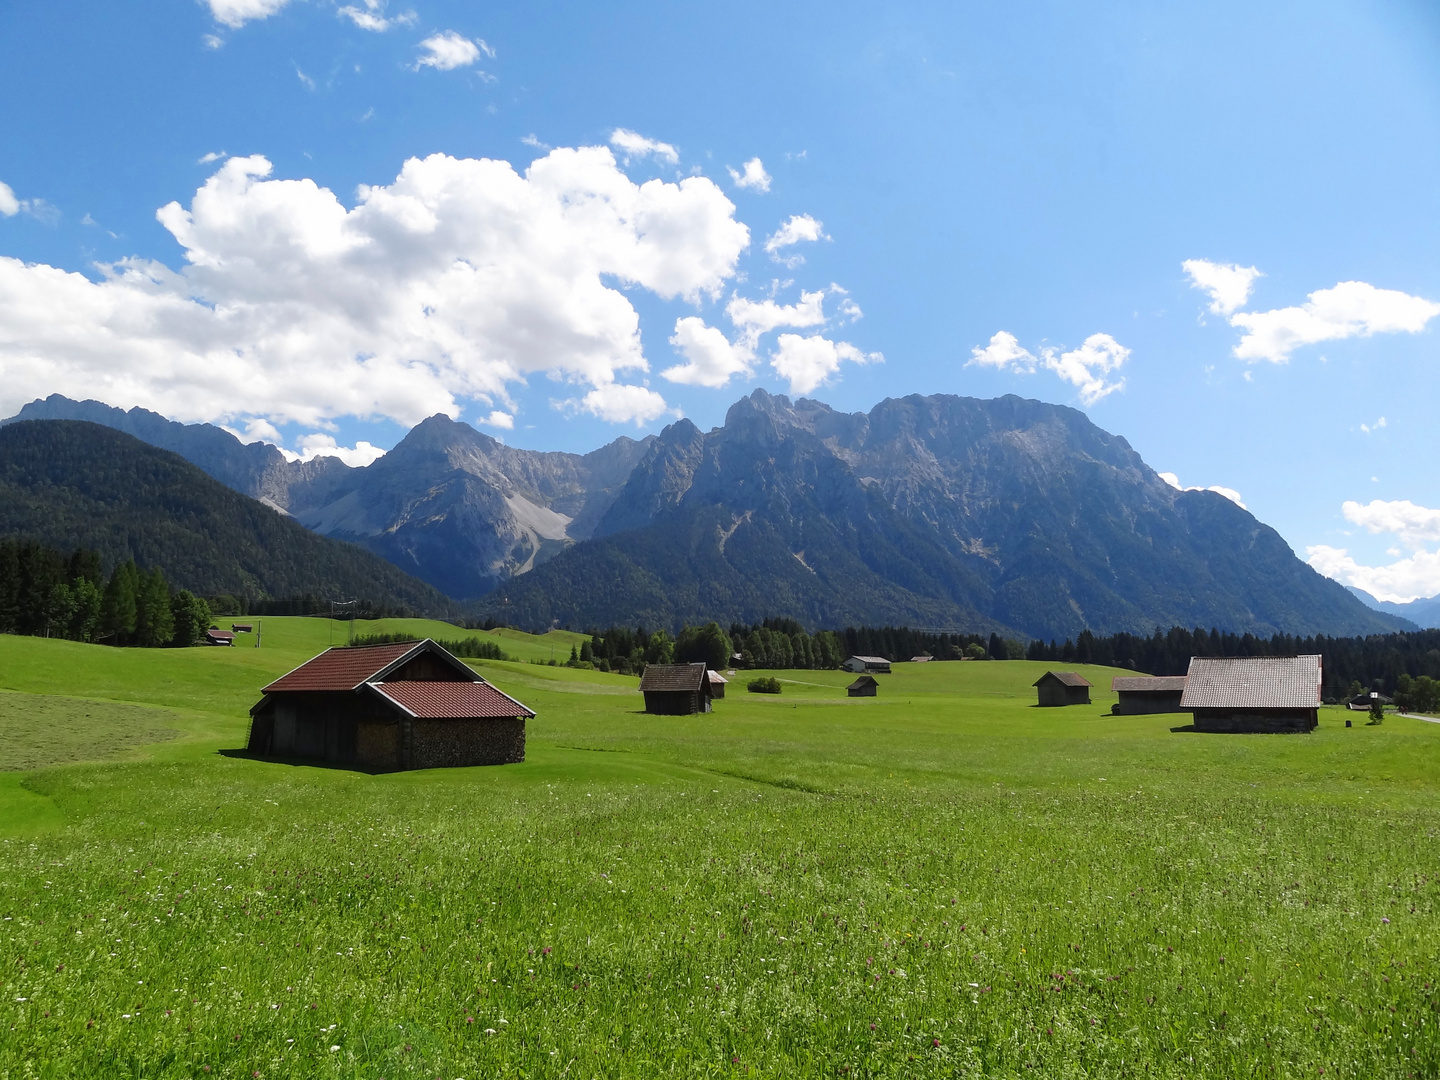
(987, 199)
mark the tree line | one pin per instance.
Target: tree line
(44, 593)
(1379, 662)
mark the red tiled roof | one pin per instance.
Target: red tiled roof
(451, 700)
(341, 668)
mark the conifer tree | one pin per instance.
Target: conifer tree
(117, 606)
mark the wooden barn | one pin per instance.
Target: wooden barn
(676, 689)
(1147, 693)
(864, 686)
(408, 705)
(1063, 688)
(867, 665)
(219, 637)
(1254, 693)
(718, 683)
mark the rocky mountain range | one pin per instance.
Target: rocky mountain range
(1006, 515)
(450, 505)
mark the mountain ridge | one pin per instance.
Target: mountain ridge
(73, 483)
(1007, 515)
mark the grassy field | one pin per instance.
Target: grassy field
(941, 881)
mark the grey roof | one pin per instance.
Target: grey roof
(664, 678)
(871, 659)
(862, 681)
(1252, 682)
(1149, 683)
(1069, 678)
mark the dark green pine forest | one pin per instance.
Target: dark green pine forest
(69, 484)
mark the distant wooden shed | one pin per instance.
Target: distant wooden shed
(1063, 688)
(718, 683)
(676, 689)
(1147, 693)
(406, 705)
(1254, 694)
(219, 637)
(1362, 702)
(867, 665)
(864, 686)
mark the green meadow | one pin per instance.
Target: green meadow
(943, 881)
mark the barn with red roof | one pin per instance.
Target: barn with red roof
(406, 705)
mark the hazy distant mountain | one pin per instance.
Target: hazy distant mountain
(939, 510)
(75, 484)
(1008, 515)
(1424, 612)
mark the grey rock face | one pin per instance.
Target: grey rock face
(1009, 514)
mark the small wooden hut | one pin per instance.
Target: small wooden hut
(1254, 694)
(407, 705)
(219, 637)
(1063, 688)
(1147, 693)
(676, 689)
(864, 686)
(867, 665)
(718, 683)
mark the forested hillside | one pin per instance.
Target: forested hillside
(74, 484)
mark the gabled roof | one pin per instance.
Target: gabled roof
(1252, 682)
(1149, 683)
(1069, 678)
(863, 680)
(662, 678)
(716, 677)
(451, 700)
(347, 668)
(870, 659)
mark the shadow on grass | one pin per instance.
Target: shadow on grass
(1185, 727)
(308, 763)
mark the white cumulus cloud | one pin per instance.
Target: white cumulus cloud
(1399, 582)
(1414, 525)
(499, 419)
(1350, 309)
(1229, 493)
(1408, 578)
(236, 13)
(711, 359)
(455, 280)
(1370, 428)
(753, 176)
(618, 403)
(320, 445)
(1004, 351)
(632, 145)
(752, 318)
(372, 16)
(1228, 284)
(9, 204)
(1086, 368)
(448, 50)
(799, 229)
(808, 362)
